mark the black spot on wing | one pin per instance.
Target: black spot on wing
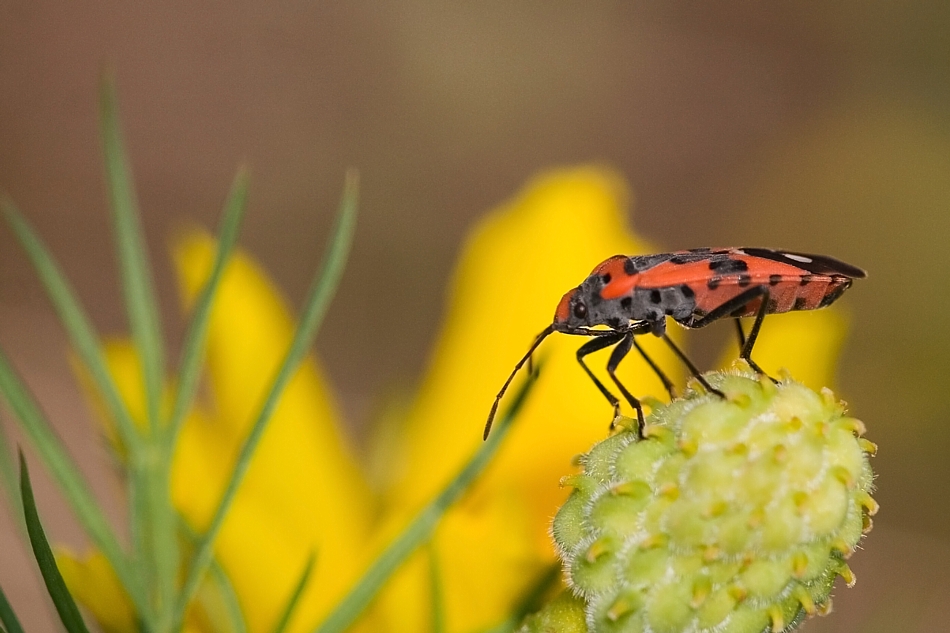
(687, 292)
(774, 280)
(726, 266)
(745, 280)
(639, 263)
(800, 303)
(814, 264)
(626, 302)
(805, 280)
(655, 296)
(694, 255)
(713, 282)
(606, 278)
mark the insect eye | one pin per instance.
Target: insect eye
(580, 310)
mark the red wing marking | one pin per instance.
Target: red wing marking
(620, 282)
(696, 275)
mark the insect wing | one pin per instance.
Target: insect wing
(796, 281)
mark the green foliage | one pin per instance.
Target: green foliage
(295, 595)
(149, 573)
(62, 600)
(7, 616)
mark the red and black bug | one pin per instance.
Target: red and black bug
(630, 296)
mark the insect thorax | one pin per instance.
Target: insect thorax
(641, 304)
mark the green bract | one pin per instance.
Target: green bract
(733, 515)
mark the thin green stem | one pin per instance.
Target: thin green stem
(315, 308)
(152, 510)
(421, 528)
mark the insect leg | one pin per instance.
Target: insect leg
(692, 368)
(746, 352)
(615, 357)
(592, 346)
(656, 370)
(730, 307)
(741, 334)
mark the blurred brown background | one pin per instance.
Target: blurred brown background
(810, 126)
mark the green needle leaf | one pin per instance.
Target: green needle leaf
(133, 259)
(7, 470)
(55, 585)
(421, 527)
(85, 342)
(153, 519)
(228, 596)
(67, 476)
(295, 596)
(197, 334)
(318, 300)
(7, 616)
(437, 590)
(82, 336)
(8, 478)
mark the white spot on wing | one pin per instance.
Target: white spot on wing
(798, 258)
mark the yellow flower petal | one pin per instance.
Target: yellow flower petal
(92, 583)
(303, 492)
(514, 269)
(806, 343)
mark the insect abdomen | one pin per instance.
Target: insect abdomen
(786, 294)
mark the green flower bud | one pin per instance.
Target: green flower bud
(733, 515)
(564, 614)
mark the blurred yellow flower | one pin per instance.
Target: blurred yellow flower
(304, 492)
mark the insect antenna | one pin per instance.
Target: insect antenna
(494, 407)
